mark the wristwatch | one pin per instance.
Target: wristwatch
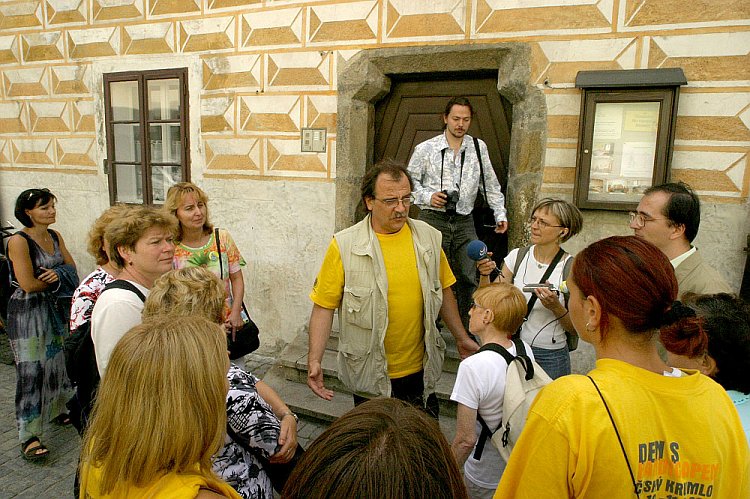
(290, 413)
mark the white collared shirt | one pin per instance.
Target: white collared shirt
(679, 259)
(428, 161)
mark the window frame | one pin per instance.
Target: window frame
(145, 165)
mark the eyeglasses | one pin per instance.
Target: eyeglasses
(476, 305)
(541, 223)
(640, 219)
(393, 202)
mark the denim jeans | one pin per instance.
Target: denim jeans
(458, 231)
(555, 363)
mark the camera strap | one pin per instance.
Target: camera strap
(461, 171)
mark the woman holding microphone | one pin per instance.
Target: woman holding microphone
(552, 222)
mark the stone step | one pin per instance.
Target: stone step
(293, 363)
(303, 401)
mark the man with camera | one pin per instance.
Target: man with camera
(446, 174)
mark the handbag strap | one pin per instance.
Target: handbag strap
(221, 265)
(481, 168)
(619, 439)
(218, 250)
(545, 276)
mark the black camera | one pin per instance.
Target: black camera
(451, 202)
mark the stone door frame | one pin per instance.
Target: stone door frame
(364, 80)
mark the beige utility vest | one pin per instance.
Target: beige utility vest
(363, 313)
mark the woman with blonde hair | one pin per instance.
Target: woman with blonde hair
(262, 430)
(496, 314)
(155, 424)
(84, 375)
(92, 285)
(552, 222)
(188, 291)
(196, 246)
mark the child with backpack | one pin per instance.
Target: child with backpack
(480, 390)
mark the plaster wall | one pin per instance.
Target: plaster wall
(260, 70)
(281, 228)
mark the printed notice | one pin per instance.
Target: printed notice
(642, 120)
(608, 121)
(638, 159)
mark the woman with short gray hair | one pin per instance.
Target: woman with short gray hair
(552, 222)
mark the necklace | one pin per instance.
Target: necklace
(42, 239)
(539, 264)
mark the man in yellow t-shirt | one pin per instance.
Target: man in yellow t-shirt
(389, 278)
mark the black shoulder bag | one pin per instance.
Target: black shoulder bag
(246, 339)
(484, 215)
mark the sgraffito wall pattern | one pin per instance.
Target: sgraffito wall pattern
(269, 69)
(261, 70)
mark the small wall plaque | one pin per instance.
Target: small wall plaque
(313, 140)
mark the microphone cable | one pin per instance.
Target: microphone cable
(542, 328)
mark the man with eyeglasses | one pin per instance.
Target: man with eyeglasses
(446, 173)
(668, 216)
(389, 279)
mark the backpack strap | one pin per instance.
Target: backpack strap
(123, 284)
(522, 357)
(565, 274)
(522, 252)
(486, 431)
(32, 249)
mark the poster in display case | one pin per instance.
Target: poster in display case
(625, 136)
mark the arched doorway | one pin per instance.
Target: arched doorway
(412, 113)
(371, 75)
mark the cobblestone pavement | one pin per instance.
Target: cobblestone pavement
(53, 478)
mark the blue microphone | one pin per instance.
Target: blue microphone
(476, 250)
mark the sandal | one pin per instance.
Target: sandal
(31, 452)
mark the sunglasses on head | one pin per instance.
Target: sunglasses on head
(33, 192)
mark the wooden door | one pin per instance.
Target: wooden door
(412, 113)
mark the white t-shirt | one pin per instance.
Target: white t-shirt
(480, 385)
(116, 311)
(530, 272)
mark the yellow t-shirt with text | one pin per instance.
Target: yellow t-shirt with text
(682, 436)
(404, 338)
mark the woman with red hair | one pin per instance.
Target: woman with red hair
(635, 427)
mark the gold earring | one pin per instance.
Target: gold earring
(589, 328)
